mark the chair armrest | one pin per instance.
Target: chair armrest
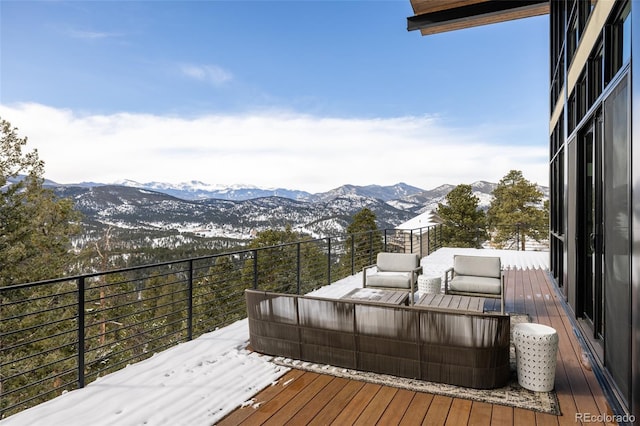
(446, 279)
(414, 279)
(502, 289)
(364, 274)
(414, 274)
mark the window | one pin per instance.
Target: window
(571, 113)
(596, 73)
(618, 41)
(582, 101)
(580, 11)
(573, 37)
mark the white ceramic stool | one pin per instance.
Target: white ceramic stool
(536, 350)
(429, 285)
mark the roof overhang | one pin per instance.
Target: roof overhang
(437, 16)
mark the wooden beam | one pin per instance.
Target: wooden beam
(442, 16)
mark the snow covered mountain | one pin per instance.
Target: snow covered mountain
(138, 209)
(197, 190)
(158, 214)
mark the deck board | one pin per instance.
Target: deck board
(298, 401)
(377, 406)
(438, 410)
(503, 416)
(480, 414)
(309, 398)
(314, 406)
(459, 412)
(397, 407)
(337, 404)
(417, 410)
(357, 405)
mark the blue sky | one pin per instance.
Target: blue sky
(298, 94)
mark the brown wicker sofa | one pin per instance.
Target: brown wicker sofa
(464, 349)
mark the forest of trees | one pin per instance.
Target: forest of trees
(131, 313)
(517, 214)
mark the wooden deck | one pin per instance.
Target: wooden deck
(301, 398)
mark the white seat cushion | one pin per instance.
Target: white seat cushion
(475, 284)
(389, 279)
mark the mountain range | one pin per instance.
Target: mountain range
(161, 214)
(197, 190)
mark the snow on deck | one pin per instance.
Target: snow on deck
(201, 381)
(439, 261)
(193, 383)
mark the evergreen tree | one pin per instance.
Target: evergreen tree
(279, 258)
(37, 323)
(464, 224)
(516, 212)
(219, 294)
(363, 242)
(35, 226)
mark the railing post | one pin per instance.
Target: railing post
(353, 255)
(298, 266)
(328, 260)
(385, 239)
(255, 269)
(410, 241)
(81, 348)
(190, 301)
(370, 248)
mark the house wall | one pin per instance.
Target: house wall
(635, 179)
(571, 229)
(595, 183)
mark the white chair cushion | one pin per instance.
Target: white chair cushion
(398, 262)
(479, 266)
(389, 279)
(475, 284)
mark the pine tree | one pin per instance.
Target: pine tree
(279, 258)
(35, 225)
(219, 294)
(363, 243)
(517, 212)
(38, 324)
(464, 224)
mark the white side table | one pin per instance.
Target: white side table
(536, 351)
(429, 285)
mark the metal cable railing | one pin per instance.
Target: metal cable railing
(60, 334)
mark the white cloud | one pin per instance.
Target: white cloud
(91, 35)
(211, 74)
(271, 149)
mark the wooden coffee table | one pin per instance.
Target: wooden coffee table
(389, 297)
(452, 302)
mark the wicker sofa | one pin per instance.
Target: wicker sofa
(464, 349)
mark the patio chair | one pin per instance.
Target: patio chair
(393, 271)
(479, 276)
